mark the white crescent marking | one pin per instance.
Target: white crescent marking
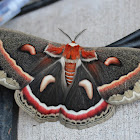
(46, 80)
(87, 85)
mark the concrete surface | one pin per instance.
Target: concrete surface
(106, 21)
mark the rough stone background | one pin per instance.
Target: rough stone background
(106, 21)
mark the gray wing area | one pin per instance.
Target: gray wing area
(117, 84)
(17, 68)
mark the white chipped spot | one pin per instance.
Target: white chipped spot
(135, 96)
(87, 85)
(128, 96)
(46, 80)
(8, 82)
(70, 60)
(4, 82)
(72, 44)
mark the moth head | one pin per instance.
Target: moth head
(72, 44)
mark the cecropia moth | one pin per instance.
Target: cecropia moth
(77, 86)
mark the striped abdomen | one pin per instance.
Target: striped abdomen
(69, 72)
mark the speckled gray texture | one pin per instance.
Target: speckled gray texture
(129, 59)
(12, 42)
(106, 21)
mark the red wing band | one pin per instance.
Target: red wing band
(44, 109)
(108, 90)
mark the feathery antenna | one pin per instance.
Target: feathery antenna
(79, 34)
(75, 36)
(65, 34)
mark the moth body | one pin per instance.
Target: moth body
(69, 72)
(71, 55)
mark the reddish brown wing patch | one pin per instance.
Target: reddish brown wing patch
(54, 50)
(112, 60)
(28, 48)
(88, 54)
